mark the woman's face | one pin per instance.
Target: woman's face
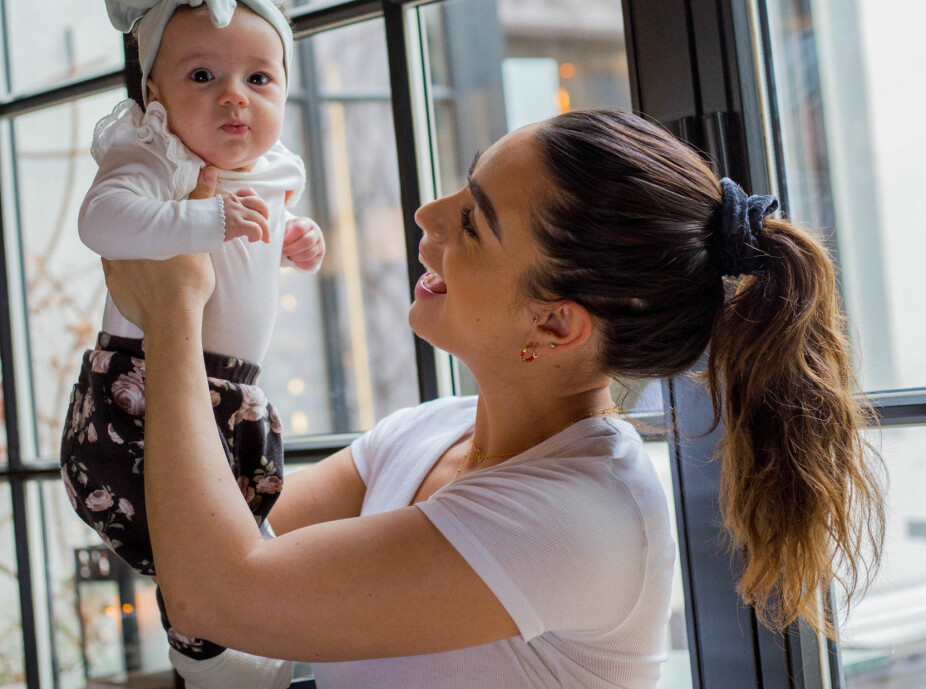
(477, 244)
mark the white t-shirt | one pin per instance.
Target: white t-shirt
(571, 536)
(137, 207)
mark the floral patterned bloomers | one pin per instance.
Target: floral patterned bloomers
(102, 449)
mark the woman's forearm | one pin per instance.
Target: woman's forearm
(200, 526)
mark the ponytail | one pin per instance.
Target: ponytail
(798, 494)
(636, 228)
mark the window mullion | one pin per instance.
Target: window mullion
(14, 453)
(403, 109)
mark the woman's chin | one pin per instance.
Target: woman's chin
(425, 327)
(419, 322)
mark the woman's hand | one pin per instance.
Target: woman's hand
(149, 293)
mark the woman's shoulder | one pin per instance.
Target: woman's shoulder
(552, 530)
(591, 478)
(598, 449)
(129, 135)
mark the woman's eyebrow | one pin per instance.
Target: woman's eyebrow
(483, 201)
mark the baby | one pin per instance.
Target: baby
(215, 82)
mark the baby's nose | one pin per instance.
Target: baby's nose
(234, 94)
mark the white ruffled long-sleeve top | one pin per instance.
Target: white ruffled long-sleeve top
(138, 207)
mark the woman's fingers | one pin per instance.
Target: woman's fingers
(205, 185)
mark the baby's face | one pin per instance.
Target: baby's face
(224, 89)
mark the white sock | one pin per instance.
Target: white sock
(233, 669)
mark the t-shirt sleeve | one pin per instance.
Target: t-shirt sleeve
(131, 211)
(562, 550)
(367, 450)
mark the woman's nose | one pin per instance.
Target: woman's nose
(428, 218)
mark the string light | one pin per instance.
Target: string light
(299, 423)
(288, 302)
(295, 387)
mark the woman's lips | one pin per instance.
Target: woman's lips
(234, 128)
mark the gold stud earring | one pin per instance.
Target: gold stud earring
(552, 345)
(536, 320)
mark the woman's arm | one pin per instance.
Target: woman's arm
(329, 490)
(375, 586)
(362, 587)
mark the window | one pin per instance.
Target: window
(389, 102)
(847, 161)
(342, 350)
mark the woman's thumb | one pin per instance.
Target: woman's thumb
(205, 185)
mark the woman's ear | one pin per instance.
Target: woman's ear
(153, 96)
(565, 325)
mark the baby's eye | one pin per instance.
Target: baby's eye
(201, 76)
(259, 79)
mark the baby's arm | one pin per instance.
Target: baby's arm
(129, 212)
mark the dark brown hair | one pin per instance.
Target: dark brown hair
(629, 230)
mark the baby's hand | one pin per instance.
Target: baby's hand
(303, 243)
(246, 215)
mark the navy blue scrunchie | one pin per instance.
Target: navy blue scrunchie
(741, 221)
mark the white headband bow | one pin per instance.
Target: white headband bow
(153, 16)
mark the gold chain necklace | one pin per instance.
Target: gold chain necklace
(481, 456)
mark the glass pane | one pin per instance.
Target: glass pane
(342, 353)
(64, 280)
(884, 634)
(12, 666)
(53, 42)
(852, 147)
(104, 617)
(507, 63)
(676, 672)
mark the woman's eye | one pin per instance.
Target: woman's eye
(201, 76)
(259, 79)
(466, 222)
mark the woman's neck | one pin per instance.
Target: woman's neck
(510, 421)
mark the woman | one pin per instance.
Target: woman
(521, 537)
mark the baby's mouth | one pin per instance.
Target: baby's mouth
(235, 127)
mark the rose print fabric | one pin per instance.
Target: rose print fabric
(102, 449)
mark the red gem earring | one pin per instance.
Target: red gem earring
(529, 353)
